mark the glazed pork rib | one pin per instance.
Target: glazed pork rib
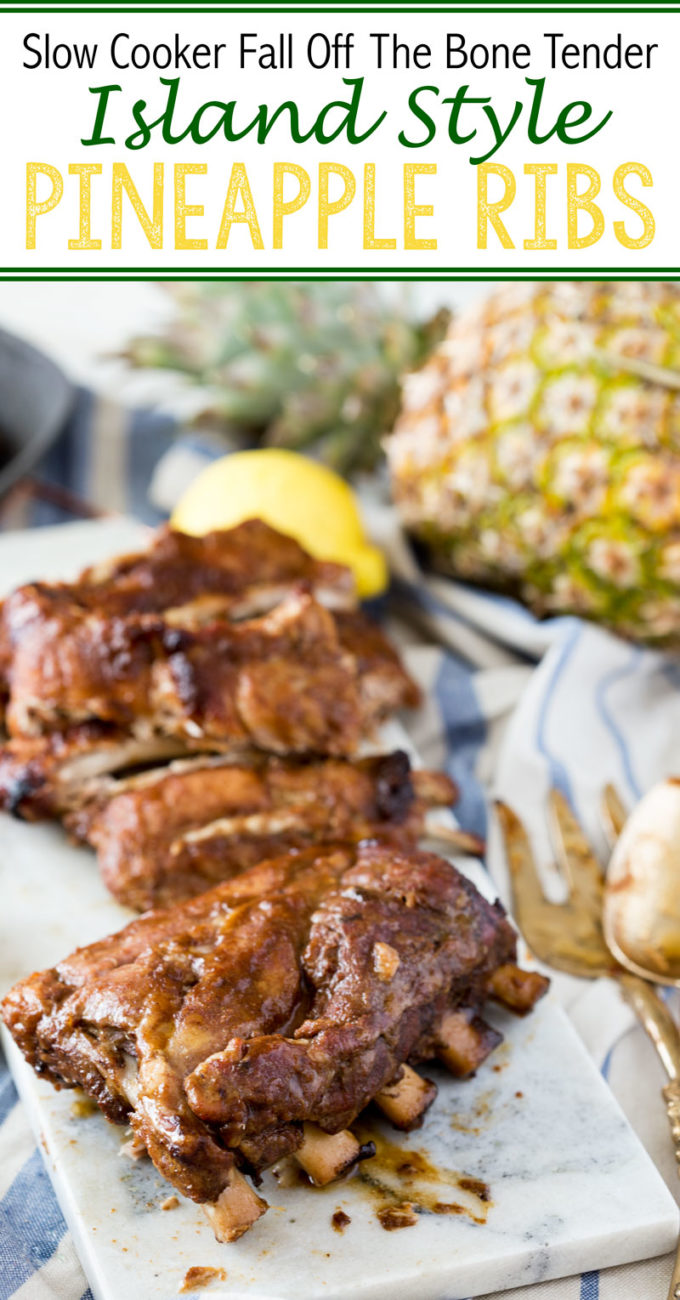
(175, 831)
(385, 685)
(242, 1026)
(251, 567)
(282, 682)
(244, 570)
(49, 776)
(236, 573)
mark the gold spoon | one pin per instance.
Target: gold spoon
(641, 922)
(569, 935)
(642, 890)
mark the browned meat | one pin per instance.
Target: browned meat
(385, 684)
(282, 682)
(175, 831)
(165, 643)
(252, 565)
(224, 1029)
(46, 776)
(238, 572)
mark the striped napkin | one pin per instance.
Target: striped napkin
(512, 707)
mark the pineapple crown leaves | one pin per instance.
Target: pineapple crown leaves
(296, 364)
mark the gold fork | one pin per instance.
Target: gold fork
(568, 936)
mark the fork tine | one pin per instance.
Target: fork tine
(565, 936)
(574, 854)
(525, 884)
(613, 812)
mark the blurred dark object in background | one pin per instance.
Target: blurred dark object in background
(35, 401)
(67, 452)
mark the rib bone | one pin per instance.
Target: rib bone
(464, 842)
(405, 1102)
(236, 1210)
(327, 1156)
(464, 1042)
(260, 823)
(518, 990)
(436, 789)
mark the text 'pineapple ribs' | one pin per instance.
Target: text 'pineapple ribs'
(254, 1021)
(175, 831)
(282, 682)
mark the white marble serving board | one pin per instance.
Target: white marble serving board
(571, 1187)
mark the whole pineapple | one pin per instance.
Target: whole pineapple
(528, 463)
(305, 365)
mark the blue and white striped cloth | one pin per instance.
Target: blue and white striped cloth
(512, 706)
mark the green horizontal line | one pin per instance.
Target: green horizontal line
(239, 274)
(605, 6)
(462, 279)
(148, 273)
(339, 9)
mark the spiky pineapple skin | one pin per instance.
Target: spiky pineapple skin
(303, 365)
(527, 465)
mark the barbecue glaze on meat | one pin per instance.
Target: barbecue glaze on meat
(254, 1022)
(282, 682)
(175, 831)
(47, 776)
(237, 572)
(289, 996)
(249, 567)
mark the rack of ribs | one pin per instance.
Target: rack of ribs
(247, 569)
(251, 566)
(237, 572)
(174, 831)
(283, 681)
(255, 1022)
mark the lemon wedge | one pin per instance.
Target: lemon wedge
(297, 496)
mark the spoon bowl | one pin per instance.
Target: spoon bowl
(641, 916)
